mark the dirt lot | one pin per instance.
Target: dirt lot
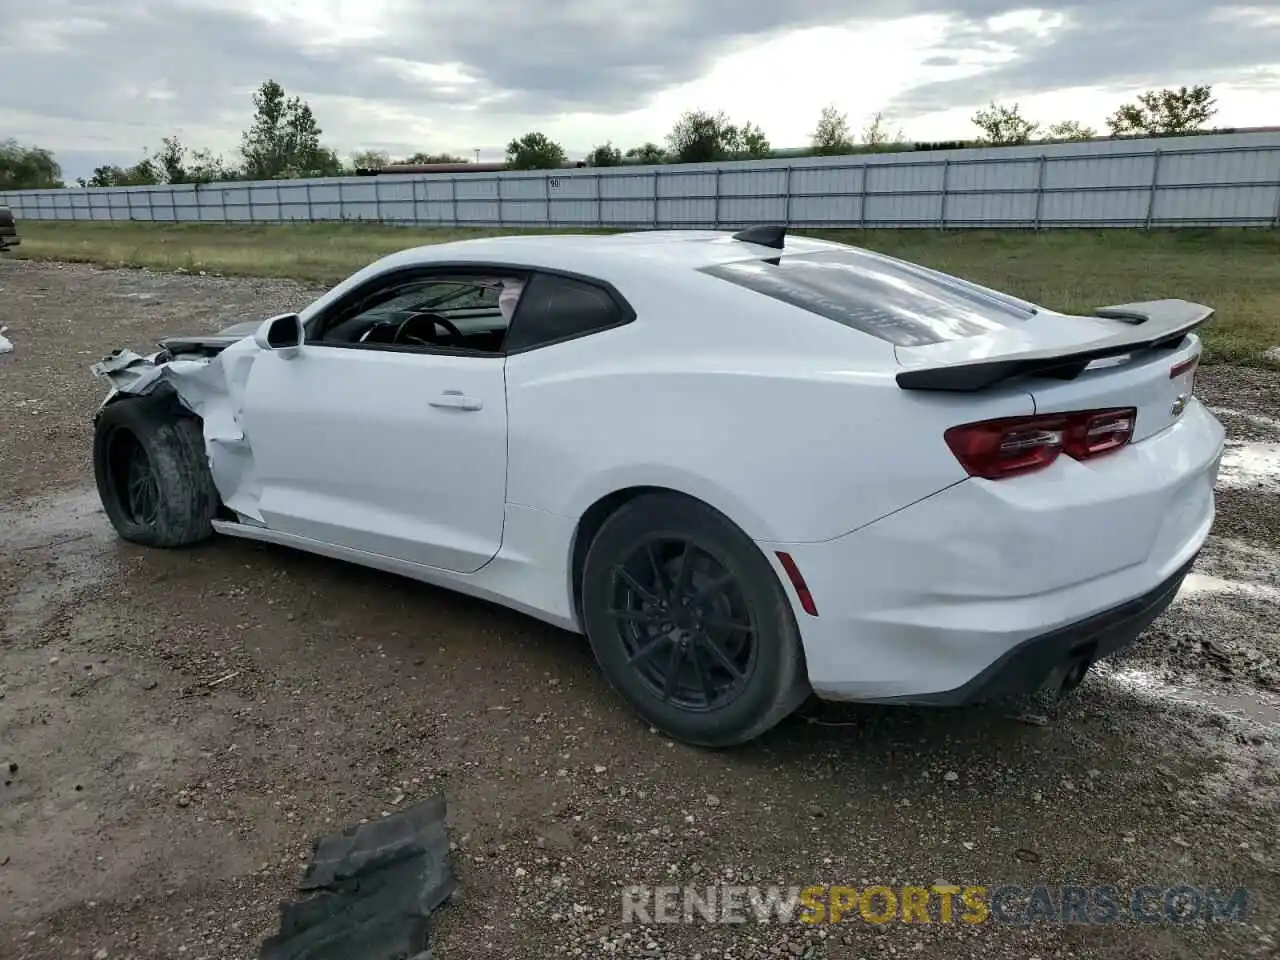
(175, 727)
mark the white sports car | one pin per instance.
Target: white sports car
(746, 466)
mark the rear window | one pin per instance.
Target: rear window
(899, 302)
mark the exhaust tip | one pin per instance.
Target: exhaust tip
(1075, 674)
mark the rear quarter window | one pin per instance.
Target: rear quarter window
(554, 308)
(899, 302)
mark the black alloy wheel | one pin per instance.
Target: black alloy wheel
(142, 491)
(690, 623)
(685, 625)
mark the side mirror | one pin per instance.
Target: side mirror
(282, 334)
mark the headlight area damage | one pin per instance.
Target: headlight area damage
(208, 378)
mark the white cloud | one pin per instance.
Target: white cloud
(102, 79)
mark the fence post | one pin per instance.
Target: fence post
(1039, 190)
(861, 195)
(656, 171)
(1275, 221)
(1151, 197)
(546, 195)
(786, 207)
(942, 204)
(151, 206)
(311, 216)
(599, 204)
(497, 186)
(249, 193)
(377, 200)
(128, 202)
(453, 195)
(715, 216)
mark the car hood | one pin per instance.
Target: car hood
(209, 344)
(242, 329)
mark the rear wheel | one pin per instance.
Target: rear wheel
(152, 472)
(689, 622)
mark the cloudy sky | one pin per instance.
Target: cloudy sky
(98, 80)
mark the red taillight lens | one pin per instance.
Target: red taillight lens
(1002, 448)
(1091, 434)
(994, 449)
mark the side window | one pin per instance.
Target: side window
(452, 312)
(556, 308)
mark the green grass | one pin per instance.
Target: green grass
(1235, 271)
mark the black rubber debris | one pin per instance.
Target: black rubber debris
(371, 891)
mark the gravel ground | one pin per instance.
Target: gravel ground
(175, 727)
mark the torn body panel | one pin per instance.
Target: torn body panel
(210, 386)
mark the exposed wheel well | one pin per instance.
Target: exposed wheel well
(593, 519)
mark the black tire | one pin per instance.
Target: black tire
(768, 680)
(152, 443)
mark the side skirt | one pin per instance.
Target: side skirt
(473, 585)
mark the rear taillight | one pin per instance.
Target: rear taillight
(994, 449)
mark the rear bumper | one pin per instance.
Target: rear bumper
(1050, 659)
(992, 587)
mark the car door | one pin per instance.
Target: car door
(394, 450)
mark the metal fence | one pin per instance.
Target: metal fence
(1213, 180)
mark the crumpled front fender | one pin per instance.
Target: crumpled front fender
(213, 389)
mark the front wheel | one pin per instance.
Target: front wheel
(690, 623)
(152, 472)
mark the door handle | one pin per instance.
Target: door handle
(455, 400)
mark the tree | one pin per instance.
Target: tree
(1004, 126)
(173, 160)
(145, 173)
(535, 151)
(423, 157)
(749, 141)
(700, 137)
(605, 155)
(831, 137)
(647, 153)
(178, 164)
(106, 175)
(877, 136)
(1071, 130)
(284, 140)
(370, 159)
(1164, 112)
(28, 168)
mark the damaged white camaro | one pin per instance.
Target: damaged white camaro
(747, 466)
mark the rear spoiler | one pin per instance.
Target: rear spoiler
(1150, 325)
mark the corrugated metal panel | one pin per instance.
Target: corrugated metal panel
(1218, 179)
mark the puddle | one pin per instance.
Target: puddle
(69, 538)
(1248, 465)
(1258, 707)
(1201, 584)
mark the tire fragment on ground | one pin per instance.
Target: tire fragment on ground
(372, 890)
